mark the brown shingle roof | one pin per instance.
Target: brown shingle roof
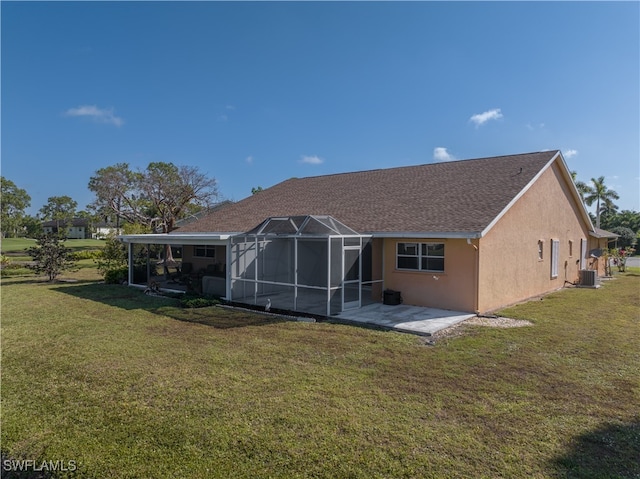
(454, 197)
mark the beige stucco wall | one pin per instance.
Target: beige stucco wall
(454, 289)
(509, 267)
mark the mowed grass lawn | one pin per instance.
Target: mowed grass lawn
(13, 245)
(128, 385)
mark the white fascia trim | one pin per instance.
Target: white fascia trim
(430, 235)
(567, 176)
(595, 234)
(176, 238)
(576, 194)
(520, 194)
(569, 180)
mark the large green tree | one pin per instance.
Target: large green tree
(13, 203)
(581, 186)
(32, 226)
(115, 188)
(156, 197)
(61, 209)
(626, 236)
(629, 219)
(598, 192)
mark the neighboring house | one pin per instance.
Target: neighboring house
(102, 230)
(80, 228)
(77, 228)
(472, 235)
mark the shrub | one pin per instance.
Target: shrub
(50, 256)
(14, 266)
(86, 254)
(190, 300)
(15, 269)
(113, 257)
(116, 275)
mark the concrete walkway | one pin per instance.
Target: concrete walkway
(408, 319)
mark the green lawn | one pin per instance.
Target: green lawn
(130, 386)
(13, 245)
(15, 251)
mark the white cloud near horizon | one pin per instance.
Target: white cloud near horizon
(100, 115)
(311, 160)
(482, 118)
(441, 154)
(570, 153)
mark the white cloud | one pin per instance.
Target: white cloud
(441, 154)
(482, 118)
(101, 115)
(249, 160)
(311, 160)
(570, 153)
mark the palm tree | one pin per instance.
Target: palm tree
(580, 185)
(608, 213)
(598, 192)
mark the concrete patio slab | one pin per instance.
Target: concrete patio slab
(405, 318)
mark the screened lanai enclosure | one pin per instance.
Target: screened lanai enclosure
(311, 264)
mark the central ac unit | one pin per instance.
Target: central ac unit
(587, 277)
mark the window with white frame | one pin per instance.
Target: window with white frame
(204, 251)
(420, 256)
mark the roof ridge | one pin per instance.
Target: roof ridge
(421, 164)
(455, 196)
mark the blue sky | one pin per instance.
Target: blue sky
(255, 93)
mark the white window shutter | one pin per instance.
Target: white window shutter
(583, 253)
(555, 248)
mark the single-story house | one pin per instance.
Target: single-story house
(471, 235)
(103, 229)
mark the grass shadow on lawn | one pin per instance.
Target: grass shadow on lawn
(609, 451)
(221, 317)
(116, 295)
(128, 298)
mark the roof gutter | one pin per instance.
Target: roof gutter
(603, 234)
(175, 238)
(428, 234)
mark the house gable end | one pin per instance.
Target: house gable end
(570, 183)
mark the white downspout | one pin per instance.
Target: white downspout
(476, 276)
(130, 272)
(228, 271)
